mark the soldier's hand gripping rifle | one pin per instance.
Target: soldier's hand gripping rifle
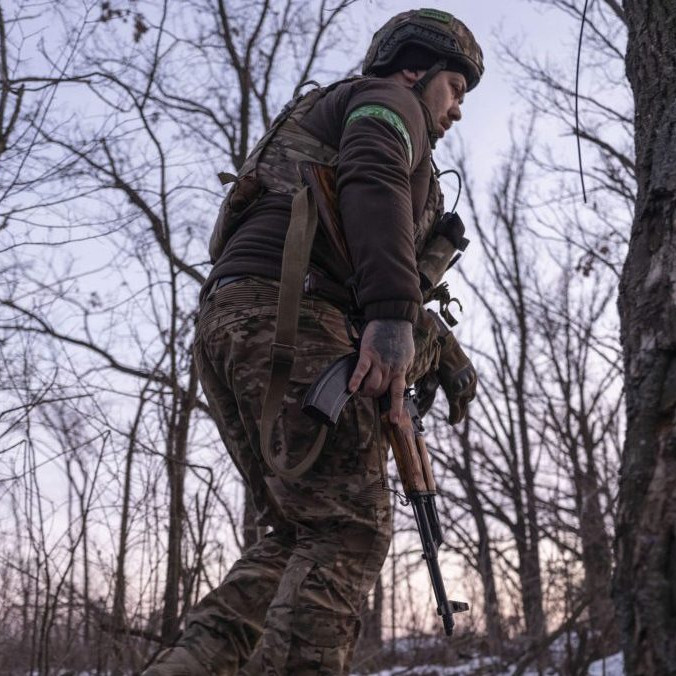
(324, 401)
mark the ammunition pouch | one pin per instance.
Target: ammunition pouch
(440, 251)
(237, 204)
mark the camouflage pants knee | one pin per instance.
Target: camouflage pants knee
(290, 605)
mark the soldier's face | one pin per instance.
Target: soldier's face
(444, 95)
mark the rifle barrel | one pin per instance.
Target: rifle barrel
(421, 512)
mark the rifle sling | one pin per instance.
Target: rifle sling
(295, 260)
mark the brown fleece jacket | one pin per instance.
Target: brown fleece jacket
(382, 187)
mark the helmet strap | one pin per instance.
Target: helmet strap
(420, 85)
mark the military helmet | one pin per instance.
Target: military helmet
(439, 32)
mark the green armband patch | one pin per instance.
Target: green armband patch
(436, 14)
(390, 117)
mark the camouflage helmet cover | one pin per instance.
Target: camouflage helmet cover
(437, 31)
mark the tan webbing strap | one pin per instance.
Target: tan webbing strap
(295, 261)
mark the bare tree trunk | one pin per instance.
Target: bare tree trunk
(531, 592)
(510, 270)
(529, 565)
(120, 591)
(85, 574)
(176, 465)
(491, 605)
(71, 541)
(176, 472)
(596, 558)
(485, 565)
(596, 553)
(645, 582)
(529, 571)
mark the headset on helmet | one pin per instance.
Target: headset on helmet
(439, 32)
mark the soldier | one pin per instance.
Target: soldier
(291, 603)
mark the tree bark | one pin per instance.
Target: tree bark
(645, 581)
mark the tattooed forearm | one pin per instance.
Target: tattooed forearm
(385, 354)
(391, 339)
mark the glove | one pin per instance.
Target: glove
(457, 378)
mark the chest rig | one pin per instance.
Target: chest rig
(273, 166)
(277, 165)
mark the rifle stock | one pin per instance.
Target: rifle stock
(321, 179)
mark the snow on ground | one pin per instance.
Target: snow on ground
(465, 669)
(609, 666)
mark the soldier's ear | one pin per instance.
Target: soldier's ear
(412, 76)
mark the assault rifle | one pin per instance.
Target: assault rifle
(325, 400)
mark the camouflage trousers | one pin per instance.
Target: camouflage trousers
(291, 603)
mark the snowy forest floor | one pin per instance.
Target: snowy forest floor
(608, 666)
(430, 657)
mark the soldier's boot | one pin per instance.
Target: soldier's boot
(176, 661)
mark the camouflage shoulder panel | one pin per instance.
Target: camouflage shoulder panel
(389, 116)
